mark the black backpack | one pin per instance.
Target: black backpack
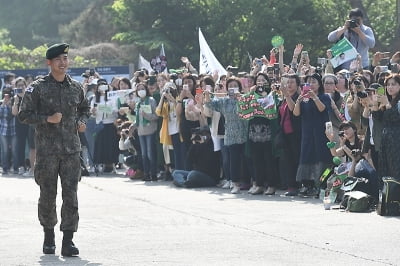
(389, 197)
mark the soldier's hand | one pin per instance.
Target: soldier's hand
(55, 118)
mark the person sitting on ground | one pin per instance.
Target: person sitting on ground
(203, 161)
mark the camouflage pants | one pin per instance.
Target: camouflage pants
(47, 170)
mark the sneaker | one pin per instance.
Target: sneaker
(303, 191)
(222, 183)
(5, 172)
(290, 193)
(258, 190)
(270, 191)
(250, 191)
(28, 173)
(235, 189)
(21, 170)
(227, 185)
(15, 172)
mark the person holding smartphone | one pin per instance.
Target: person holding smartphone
(386, 108)
(313, 107)
(186, 96)
(8, 135)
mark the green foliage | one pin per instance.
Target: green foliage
(233, 28)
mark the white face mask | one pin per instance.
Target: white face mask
(103, 87)
(142, 93)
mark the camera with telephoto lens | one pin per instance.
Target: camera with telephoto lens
(125, 131)
(362, 94)
(353, 23)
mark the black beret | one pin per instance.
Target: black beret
(56, 50)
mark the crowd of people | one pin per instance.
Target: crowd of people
(275, 126)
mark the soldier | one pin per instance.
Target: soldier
(56, 105)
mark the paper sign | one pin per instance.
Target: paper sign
(343, 51)
(145, 108)
(104, 109)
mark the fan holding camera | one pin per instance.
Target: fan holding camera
(350, 147)
(359, 35)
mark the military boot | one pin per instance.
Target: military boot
(49, 246)
(68, 247)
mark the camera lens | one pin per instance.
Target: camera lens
(357, 82)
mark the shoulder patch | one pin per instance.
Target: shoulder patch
(29, 89)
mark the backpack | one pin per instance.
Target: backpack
(356, 201)
(389, 197)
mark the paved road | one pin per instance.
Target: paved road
(127, 222)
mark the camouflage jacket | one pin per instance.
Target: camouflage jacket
(43, 98)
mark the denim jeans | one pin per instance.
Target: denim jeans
(192, 179)
(149, 155)
(7, 141)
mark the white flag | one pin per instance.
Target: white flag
(143, 63)
(208, 62)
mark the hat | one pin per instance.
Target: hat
(56, 50)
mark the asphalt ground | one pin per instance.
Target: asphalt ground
(125, 222)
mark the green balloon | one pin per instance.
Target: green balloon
(277, 41)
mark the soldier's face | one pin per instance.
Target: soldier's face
(59, 64)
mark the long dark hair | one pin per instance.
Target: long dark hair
(396, 99)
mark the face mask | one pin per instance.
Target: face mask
(142, 93)
(178, 82)
(103, 87)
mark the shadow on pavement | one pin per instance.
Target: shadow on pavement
(59, 260)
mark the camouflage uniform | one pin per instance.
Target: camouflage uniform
(57, 145)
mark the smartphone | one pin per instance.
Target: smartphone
(328, 127)
(380, 91)
(321, 61)
(259, 62)
(185, 87)
(276, 67)
(199, 91)
(305, 89)
(304, 54)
